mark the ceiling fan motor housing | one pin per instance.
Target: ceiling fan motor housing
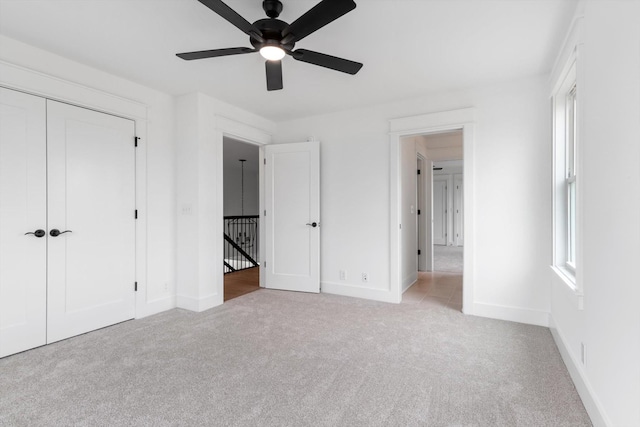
(272, 8)
(271, 30)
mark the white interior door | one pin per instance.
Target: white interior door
(439, 211)
(458, 209)
(421, 215)
(23, 271)
(292, 221)
(91, 193)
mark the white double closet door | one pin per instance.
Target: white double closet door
(67, 170)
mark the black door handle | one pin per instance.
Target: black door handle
(313, 224)
(37, 233)
(55, 232)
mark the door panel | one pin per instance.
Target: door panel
(458, 210)
(292, 201)
(22, 209)
(91, 189)
(439, 211)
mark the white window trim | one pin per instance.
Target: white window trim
(564, 269)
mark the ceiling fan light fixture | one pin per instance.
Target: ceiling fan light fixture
(272, 53)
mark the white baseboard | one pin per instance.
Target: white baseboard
(408, 282)
(346, 290)
(156, 306)
(512, 314)
(198, 304)
(589, 399)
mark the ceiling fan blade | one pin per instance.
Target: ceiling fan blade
(274, 75)
(219, 7)
(327, 61)
(214, 53)
(317, 17)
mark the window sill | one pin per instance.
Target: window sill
(569, 279)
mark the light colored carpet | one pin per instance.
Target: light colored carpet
(273, 358)
(447, 258)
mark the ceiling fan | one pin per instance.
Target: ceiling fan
(274, 38)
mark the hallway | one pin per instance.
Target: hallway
(436, 288)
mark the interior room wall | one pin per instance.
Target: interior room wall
(20, 61)
(202, 122)
(608, 229)
(512, 130)
(448, 167)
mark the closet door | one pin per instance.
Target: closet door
(23, 279)
(91, 202)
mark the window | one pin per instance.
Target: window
(565, 200)
(570, 173)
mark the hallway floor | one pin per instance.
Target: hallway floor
(241, 282)
(437, 288)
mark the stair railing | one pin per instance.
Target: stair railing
(240, 242)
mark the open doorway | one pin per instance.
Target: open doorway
(241, 220)
(437, 276)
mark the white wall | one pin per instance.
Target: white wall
(609, 227)
(36, 71)
(512, 130)
(202, 123)
(448, 167)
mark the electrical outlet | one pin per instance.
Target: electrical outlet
(343, 275)
(365, 277)
(166, 286)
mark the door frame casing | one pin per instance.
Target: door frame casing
(244, 133)
(461, 119)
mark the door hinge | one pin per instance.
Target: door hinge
(419, 172)
(265, 264)
(135, 141)
(135, 215)
(419, 252)
(265, 212)
(135, 286)
(418, 211)
(265, 161)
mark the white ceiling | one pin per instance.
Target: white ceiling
(409, 47)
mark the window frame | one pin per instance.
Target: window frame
(566, 125)
(571, 177)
